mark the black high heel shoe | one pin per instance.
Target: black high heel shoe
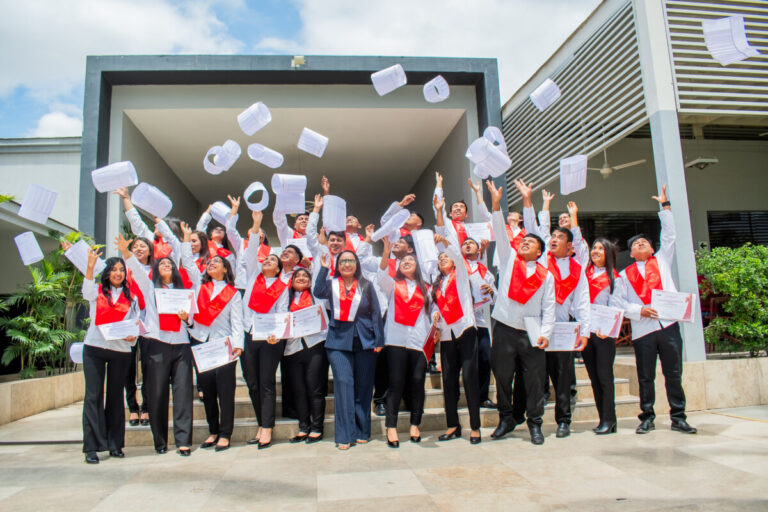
(415, 439)
(393, 444)
(456, 434)
(209, 444)
(605, 428)
(314, 439)
(475, 439)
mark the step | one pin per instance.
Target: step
(433, 420)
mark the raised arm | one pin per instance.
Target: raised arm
(482, 208)
(230, 226)
(322, 289)
(668, 235)
(138, 227)
(580, 245)
(284, 232)
(314, 219)
(503, 249)
(204, 220)
(252, 265)
(89, 289)
(187, 261)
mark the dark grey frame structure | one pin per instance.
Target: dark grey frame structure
(104, 72)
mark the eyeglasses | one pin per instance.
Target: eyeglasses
(347, 262)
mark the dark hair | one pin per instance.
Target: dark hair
(224, 241)
(565, 231)
(292, 292)
(409, 240)
(151, 257)
(175, 225)
(363, 285)
(229, 276)
(339, 234)
(466, 208)
(421, 217)
(636, 238)
(358, 270)
(203, 237)
(611, 253)
(473, 240)
(279, 263)
(399, 276)
(105, 284)
(438, 283)
(175, 275)
(298, 251)
(538, 240)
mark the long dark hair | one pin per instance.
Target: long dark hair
(175, 275)
(363, 284)
(611, 251)
(203, 237)
(105, 284)
(225, 240)
(292, 292)
(151, 257)
(437, 285)
(229, 276)
(399, 276)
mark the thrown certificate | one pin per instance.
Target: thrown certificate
(605, 320)
(312, 142)
(29, 249)
(271, 324)
(334, 213)
(212, 354)
(478, 231)
(310, 320)
(563, 338)
(673, 305)
(78, 255)
(301, 243)
(170, 301)
(38, 203)
(120, 330)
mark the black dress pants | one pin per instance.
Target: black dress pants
(104, 421)
(667, 345)
(562, 373)
(407, 372)
(140, 350)
(484, 362)
(169, 364)
(598, 360)
(381, 377)
(512, 352)
(308, 371)
(460, 356)
(218, 387)
(262, 360)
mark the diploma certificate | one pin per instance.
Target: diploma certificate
(479, 231)
(120, 330)
(212, 354)
(605, 320)
(170, 301)
(673, 305)
(480, 298)
(277, 324)
(563, 339)
(308, 321)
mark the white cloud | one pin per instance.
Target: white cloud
(521, 34)
(45, 42)
(58, 124)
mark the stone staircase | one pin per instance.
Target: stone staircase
(433, 419)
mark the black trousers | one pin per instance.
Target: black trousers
(262, 360)
(484, 362)
(561, 370)
(218, 387)
(308, 371)
(512, 352)
(598, 360)
(381, 377)
(169, 364)
(104, 421)
(460, 356)
(667, 345)
(407, 372)
(138, 351)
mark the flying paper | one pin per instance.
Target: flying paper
(29, 249)
(38, 203)
(426, 250)
(726, 39)
(389, 79)
(220, 211)
(493, 160)
(151, 200)
(545, 95)
(78, 255)
(392, 227)
(254, 187)
(224, 157)
(265, 155)
(254, 118)
(436, 90)
(573, 174)
(334, 213)
(114, 176)
(288, 183)
(312, 142)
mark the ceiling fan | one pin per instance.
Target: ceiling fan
(606, 170)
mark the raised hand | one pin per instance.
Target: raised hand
(122, 245)
(208, 210)
(186, 230)
(495, 195)
(440, 239)
(572, 208)
(662, 198)
(65, 245)
(370, 229)
(235, 202)
(475, 186)
(318, 203)
(325, 185)
(122, 192)
(438, 179)
(438, 203)
(93, 256)
(257, 218)
(547, 196)
(408, 199)
(484, 245)
(325, 260)
(525, 191)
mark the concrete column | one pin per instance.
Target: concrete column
(661, 105)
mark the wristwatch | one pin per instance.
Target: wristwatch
(665, 204)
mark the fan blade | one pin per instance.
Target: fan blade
(630, 164)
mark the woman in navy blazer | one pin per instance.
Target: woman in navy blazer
(355, 334)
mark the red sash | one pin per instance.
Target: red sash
(392, 267)
(215, 250)
(404, 231)
(135, 290)
(407, 310)
(296, 234)
(644, 287)
(522, 288)
(162, 249)
(201, 264)
(480, 268)
(264, 250)
(448, 302)
(599, 283)
(515, 241)
(345, 300)
(263, 298)
(170, 322)
(564, 287)
(108, 313)
(305, 300)
(348, 245)
(208, 309)
(460, 231)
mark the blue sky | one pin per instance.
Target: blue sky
(41, 87)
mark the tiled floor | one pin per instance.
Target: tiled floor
(721, 468)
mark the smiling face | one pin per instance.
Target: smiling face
(445, 263)
(165, 269)
(194, 242)
(514, 219)
(641, 249)
(564, 221)
(458, 211)
(408, 266)
(469, 249)
(301, 280)
(270, 267)
(413, 223)
(217, 234)
(300, 224)
(290, 258)
(216, 268)
(597, 254)
(336, 244)
(347, 264)
(529, 249)
(559, 245)
(141, 250)
(353, 224)
(117, 275)
(400, 248)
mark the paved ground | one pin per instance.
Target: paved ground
(722, 468)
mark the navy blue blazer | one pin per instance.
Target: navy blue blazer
(368, 324)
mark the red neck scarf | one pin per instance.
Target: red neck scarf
(404, 231)
(107, 312)
(460, 231)
(644, 286)
(215, 250)
(296, 234)
(407, 310)
(522, 288)
(448, 302)
(201, 264)
(162, 249)
(170, 322)
(348, 244)
(564, 287)
(515, 241)
(263, 298)
(132, 285)
(599, 283)
(346, 299)
(392, 267)
(208, 309)
(305, 300)
(480, 268)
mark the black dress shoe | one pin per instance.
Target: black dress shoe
(605, 428)
(488, 405)
(475, 439)
(683, 426)
(456, 434)
(117, 453)
(298, 438)
(433, 369)
(209, 444)
(221, 448)
(316, 439)
(415, 439)
(144, 422)
(185, 452)
(645, 427)
(161, 451)
(253, 440)
(563, 430)
(503, 429)
(393, 444)
(380, 409)
(133, 423)
(265, 445)
(92, 458)
(536, 436)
